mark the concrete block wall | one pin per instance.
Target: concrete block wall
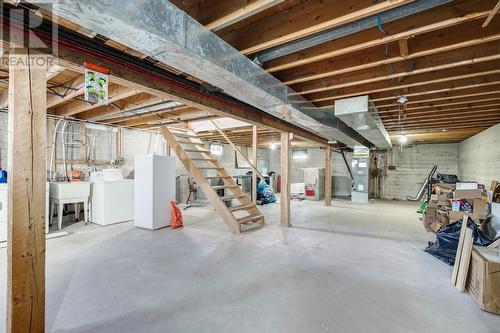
(404, 172)
(341, 184)
(479, 156)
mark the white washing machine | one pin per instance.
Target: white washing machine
(112, 197)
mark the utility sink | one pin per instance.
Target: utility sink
(69, 190)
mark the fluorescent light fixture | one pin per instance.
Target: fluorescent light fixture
(273, 146)
(403, 139)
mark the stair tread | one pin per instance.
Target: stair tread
(249, 218)
(185, 135)
(203, 159)
(191, 142)
(241, 207)
(209, 168)
(219, 187)
(197, 150)
(233, 196)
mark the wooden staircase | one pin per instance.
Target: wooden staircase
(196, 158)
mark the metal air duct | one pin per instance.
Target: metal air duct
(361, 115)
(162, 31)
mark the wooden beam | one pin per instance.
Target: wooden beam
(403, 47)
(445, 125)
(285, 180)
(443, 101)
(254, 161)
(449, 119)
(441, 41)
(238, 14)
(414, 25)
(328, 176)
(70, 90)
(492, 13)
(74, 107)
(429, 64)
(125, 105)
(26, 213)
(160, 117)
(465, 109)
(423, 81)
(457, 88)
(303, 20)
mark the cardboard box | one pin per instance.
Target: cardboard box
(442, 217)
(481, 207)
(468, 194)
(483, 282)
(435, 226)
(455, 216)
(429, 217)
(433, 201)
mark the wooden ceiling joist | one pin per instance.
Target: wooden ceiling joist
(426, 22)
(447, 99)
(457, 88)
(74, 107)
(126, 105)
(417, 84)
(304, 19)
(434, 63)
(447, 40)
(221, 15)
(457, 107)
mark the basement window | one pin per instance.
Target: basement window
(217, 149)
(299, 154)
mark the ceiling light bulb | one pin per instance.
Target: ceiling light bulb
(402, 99)
(273, 146)
(403, 139)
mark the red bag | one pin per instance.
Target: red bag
(176, 216)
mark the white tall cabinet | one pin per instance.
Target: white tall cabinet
(154, 190)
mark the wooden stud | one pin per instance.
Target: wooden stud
(459, 250)
(26, 217)
(254, 162)
(328, 176)
(285, 181)
(463, 269)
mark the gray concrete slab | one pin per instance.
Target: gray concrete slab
(346, 268)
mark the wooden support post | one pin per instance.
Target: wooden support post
(285, 180)
(254, 162)
(328, 176)
(27, 173)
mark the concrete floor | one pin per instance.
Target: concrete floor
(346, 268)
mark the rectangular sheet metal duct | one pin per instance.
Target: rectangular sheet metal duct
(162, 31)
(361, 115)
